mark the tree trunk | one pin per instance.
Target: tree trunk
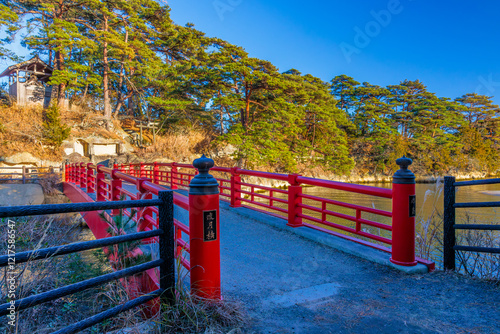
(247, 107)
(105, 79)
(62, 86)
(221, 121)
(120, 99)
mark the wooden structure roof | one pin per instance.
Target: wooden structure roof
(34, 66)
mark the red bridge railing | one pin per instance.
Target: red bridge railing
(107, 184)
(388, 231)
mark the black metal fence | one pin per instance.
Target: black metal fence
(166, 261)
(450, 227)
(26, 174)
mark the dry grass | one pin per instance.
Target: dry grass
(429, 227)
(188, 315)
(476, 264)
(51, 184)
(429, 241)
(22, 132)
(35, 277)
(192, 314)
(179, 145)
(87, 123)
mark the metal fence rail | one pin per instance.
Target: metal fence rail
(25, 174)
(449, 239)
(166, 261)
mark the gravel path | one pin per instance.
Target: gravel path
(289, 284)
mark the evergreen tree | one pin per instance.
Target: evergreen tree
(54, 133)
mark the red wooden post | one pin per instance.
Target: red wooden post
(116, 183)
(66, 171)
(142, 171)
(403, 215)
(77, 173)
(115, 164)
(100, 184)
(204, 234)
(156, 173)
(235, 188)
(173, 177)
(73, 172)
(294, 190)
(83, 175)
(131, 170)
(90, 179)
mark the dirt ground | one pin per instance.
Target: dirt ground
(293, 285)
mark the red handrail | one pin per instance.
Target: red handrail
(355, 188)
(282, 203)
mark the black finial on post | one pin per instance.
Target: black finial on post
(203, 183)
(404, 175)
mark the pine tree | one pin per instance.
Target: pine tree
(54, 132)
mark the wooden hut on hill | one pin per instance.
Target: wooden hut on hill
(28, 82)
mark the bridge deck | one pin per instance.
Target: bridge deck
(289, 284)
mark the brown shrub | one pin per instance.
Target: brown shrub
(180, 144)
(51, 183)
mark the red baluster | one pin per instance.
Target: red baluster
(90, 179)
(294, 190)
(100, 185)
(173, 177)
(235, 188)
(116, 184)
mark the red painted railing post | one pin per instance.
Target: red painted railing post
(403, 215)
(115, 164)
(83, 175)
(235, 188)
(72, 173)
(90, 179)
(294, 190)
(131, 170)
(204, 232)
(77, 173)
(156, 173)
(66, 171)
(173, 177)
(142, 172)
(116, 183)
(100, 184)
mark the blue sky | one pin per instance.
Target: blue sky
(453, 47)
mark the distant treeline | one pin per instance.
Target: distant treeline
(126, 57)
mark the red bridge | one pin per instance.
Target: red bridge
(288, 207)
